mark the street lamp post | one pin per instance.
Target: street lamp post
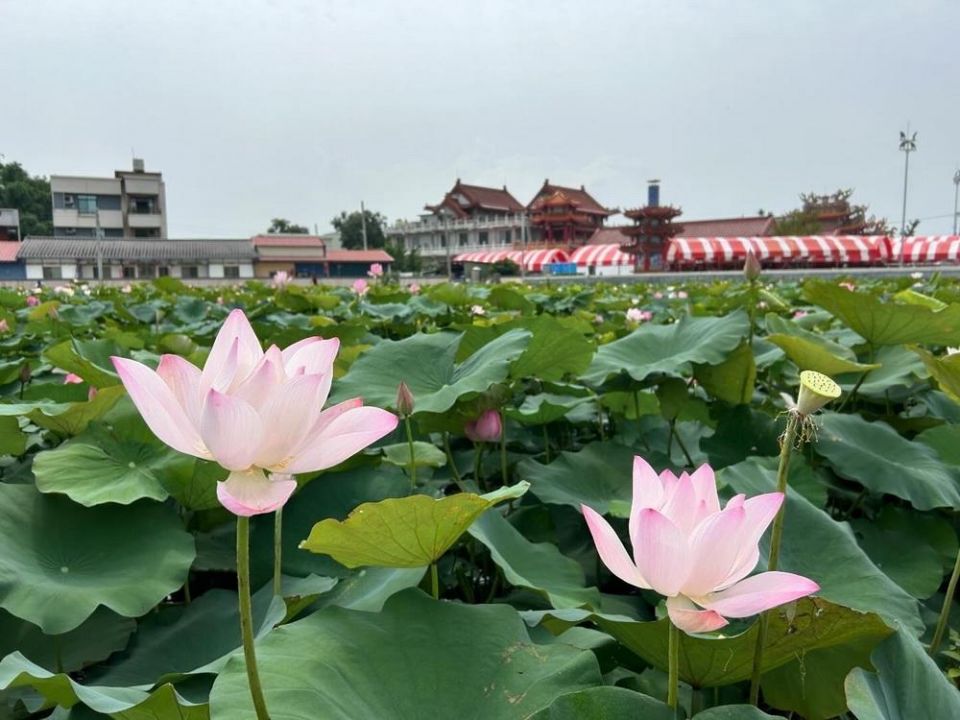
(908, 144)
(956, 193)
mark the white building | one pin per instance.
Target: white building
(131, 204)
(60, 258)
(9, 224)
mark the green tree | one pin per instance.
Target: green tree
(350, 227)
(282, 226)
(404, 260)
(797, 222)
(30, 195)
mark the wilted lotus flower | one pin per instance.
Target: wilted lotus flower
(32, 301)
(698, 555)
(253, 411)
(360, 287)
(485, 428)
(751, 267)
(375, 271)
(281, 279)
(816, 390)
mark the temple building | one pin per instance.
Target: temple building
(652, 230)
(565, 217)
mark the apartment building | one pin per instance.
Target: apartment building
(131, 204)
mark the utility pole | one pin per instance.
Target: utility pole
(523, 245)
(445, 239)
(956, 192)
(908, 144)
(363, 223)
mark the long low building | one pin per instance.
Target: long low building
(58, 258)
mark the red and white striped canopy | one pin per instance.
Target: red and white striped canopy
(813, 249)
(600, 255)
(532, 260)
(927, 249)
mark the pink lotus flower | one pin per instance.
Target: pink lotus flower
(4, 327)
(414, 288)
(375, 271)
(799, 314)
(848, 286)
(478, 310)
(658, 295)
(485, 428)
(72, 379)
(32, 301)
(281, 278)
(682, 294)
(360, 287)
(697, 555)
(253, 411)
(636, 315)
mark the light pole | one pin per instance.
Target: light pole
(956, 192)
(908, 144)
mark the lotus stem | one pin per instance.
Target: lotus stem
(783, 469)
(546, 444)
(453, 465)
(278, 552)
(246, 618)
(673, 665)
(413, 457)
(434, 581)
(503, 452)
(683, 448)
(945, 610)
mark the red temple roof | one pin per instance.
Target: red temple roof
(728, 227)
(477, 197)
(583, 200)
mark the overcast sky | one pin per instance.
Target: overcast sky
(300, 109)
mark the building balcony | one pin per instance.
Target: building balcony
(434, 225)
(144, 220)
(71, 217)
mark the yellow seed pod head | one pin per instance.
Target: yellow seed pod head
(816, 390)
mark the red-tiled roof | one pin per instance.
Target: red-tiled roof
(287, 241)
(584, 201)
(727, 227)
(478, 198)
(8, 251)
(371, 256)
(608, 236)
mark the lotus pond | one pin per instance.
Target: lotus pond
(521, 501)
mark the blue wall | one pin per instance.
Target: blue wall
(13, 271)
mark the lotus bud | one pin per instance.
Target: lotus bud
(751, 268)
(25, 373)
(816, 390)
(485, 428)
(405, 401)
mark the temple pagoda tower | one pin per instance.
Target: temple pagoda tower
(565, 217)
(652, 229)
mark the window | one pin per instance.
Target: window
(484, 237)
(507, 239)
(463, 239)
(163, 271)
(143, 206)
(129, 272)
(190, 272)
(443, 240)
(69, 202)
(231, 271)
(87, 204)
(52, 272)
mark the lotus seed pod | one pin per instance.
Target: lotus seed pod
(816, 390)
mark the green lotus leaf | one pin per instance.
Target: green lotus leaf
(424, 455)
(731, 380)
(426, 364)
(945, 370)
(13, 441)
(60, 561)
(66, 418)
(669, 349)
(540, 567)
(906, 684)
(90, 359)
(339, 660)
(876, 456)
(885, 323)
(606, 703)
(406, 532)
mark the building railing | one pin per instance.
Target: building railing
(412, 227)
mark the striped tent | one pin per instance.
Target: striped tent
(600, 255)
(782, 250)
(927, 249)
(532, 260)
